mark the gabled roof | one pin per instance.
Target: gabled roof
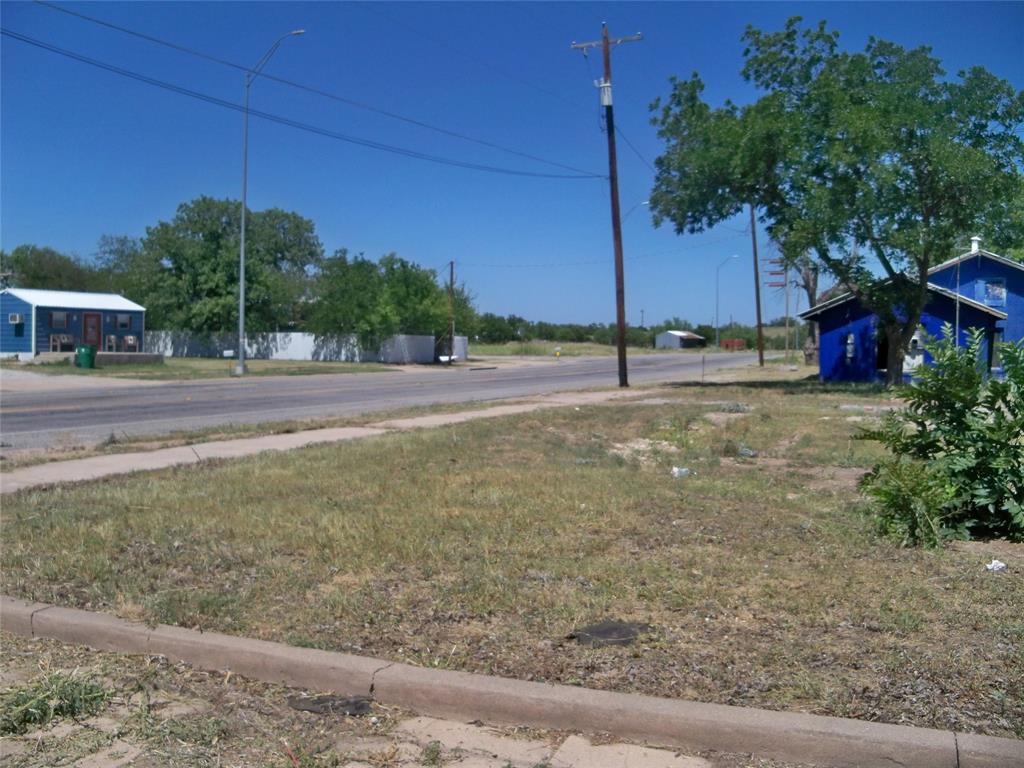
(953, 295)
(980, 252)
(685, 335)
(75, 300)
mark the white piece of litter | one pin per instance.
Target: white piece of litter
(996, 565)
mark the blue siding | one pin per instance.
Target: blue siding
(974, 273)
(108, 326)
(835, 326)
(10, 340)
(942, 309)
(859, 361)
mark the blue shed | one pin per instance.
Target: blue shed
(976, 290)
(34, 321)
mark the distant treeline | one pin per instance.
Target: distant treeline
(185, 273)
(495, 329)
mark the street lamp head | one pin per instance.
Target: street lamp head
(297, 32)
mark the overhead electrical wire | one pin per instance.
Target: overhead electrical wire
(369, 143)
(594, 262)
(636, 151)
(309, 89)
(375, 8)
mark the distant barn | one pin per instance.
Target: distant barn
(678, 340)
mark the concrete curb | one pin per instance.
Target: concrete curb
(787, 736)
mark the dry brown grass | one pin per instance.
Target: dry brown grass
(483, 546)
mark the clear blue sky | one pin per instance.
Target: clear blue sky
(86, 152)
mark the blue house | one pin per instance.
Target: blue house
(976, 290)
(34, 321)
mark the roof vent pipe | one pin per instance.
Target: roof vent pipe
(975, 244)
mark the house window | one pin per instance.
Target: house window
(124, 322)
(991, 293)
(58, 319)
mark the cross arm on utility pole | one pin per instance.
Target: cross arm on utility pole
(611, 41)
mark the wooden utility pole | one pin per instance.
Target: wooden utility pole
(605, 85)
(757, 288)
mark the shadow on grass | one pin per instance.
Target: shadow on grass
(811, 385)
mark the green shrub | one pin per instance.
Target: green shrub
(958, 449)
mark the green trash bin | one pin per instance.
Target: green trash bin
(85, 355)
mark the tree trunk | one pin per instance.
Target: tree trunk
(809, 282)
(894, 357)
(898, 338)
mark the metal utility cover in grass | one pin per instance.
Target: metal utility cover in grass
(609, 632)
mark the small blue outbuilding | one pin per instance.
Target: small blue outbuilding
(979, 289)
(34, 321)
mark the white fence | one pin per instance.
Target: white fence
(302, 346)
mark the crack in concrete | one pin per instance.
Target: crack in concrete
(373, 677)
(32, 619)
(956, 749)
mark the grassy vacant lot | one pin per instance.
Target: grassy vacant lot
(482, 547)
(181, 369)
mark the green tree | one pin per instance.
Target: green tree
(32, 266)
(350, 299)
(375, 300)
(125, 267)
(197, 254)
(495, 329)
(874, 162)
(420, 305)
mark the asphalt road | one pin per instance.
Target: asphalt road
(65, 414)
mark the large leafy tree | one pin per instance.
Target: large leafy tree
(374, 300)
(350, 299)
(197, 254)
(33, 266)
(874, 163)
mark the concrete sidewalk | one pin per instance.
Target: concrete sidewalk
(97, 467)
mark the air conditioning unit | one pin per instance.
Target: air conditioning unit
(15, 318)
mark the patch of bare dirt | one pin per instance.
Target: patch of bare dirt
(720, 419)
(823, 479)
(642, 449)
(1007, 551)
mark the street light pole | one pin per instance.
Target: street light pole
(718, 272)
(251, 75)
(642, 202)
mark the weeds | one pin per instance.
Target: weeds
(957, 469)
(49, 698)
(480, 547)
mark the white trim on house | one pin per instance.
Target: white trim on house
(844, 297)
(110, 302)
(975, 254)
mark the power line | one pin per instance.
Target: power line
(595, 262)
(635, 150)
(369, 143)
(376, 8)
(307, 88)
